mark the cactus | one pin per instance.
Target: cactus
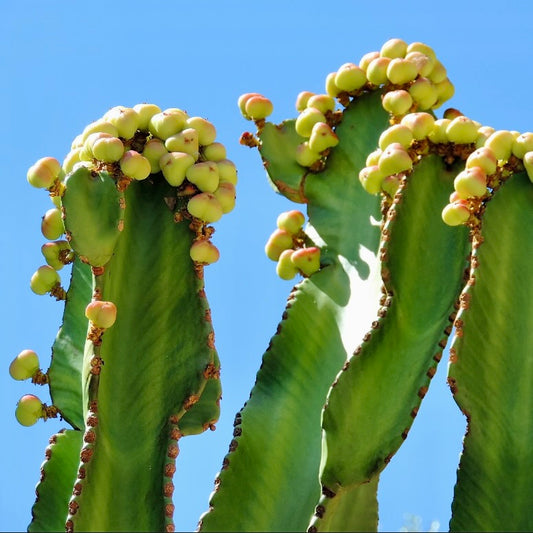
(417, 227)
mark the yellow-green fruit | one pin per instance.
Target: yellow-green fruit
(226, 195)
(528, 164)
(70, 160)
(29, 409)
(522, 144)
(322, 137)
(44, 279)
(307, 260)
(367, 59)
(331, 87)
(376, 71)
(206, 207)
(153, 150)
(307, 119)
(206, 130)
(291, 221)
(438, 73)
(305, 156)
(204, 175)
(101, 313)
(401, 71)
(174, 165)
(167, 123)
(350, 77)
(456, 213)
(204, 252)
(214, 151)
(501, 143)
(241, 102)
(134, 165)
(52, 224)
(420, 124)
(424, 63)
(394, 48)
(423, 48)
(258, 107)
(57, 253)
(302, 99)
(99, 126)
(371, 178)
(438, 134)
(398, 133)
(184, 141)
(44, 172)
(484, 158)
(424, 93)
(373, 157)
(397, 102)
(227, 171)
(462, 130)
(390, 185)
(322, 102)
(394, 159)
(285, 268)
(279, 241)
(108, 149)
(24, 365)
(125, 119)
(145, 112)
(445, 90)
(471, 182)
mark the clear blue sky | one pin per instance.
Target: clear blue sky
(65, 63)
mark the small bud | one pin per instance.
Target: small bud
(102, 314)
(52, 224)
(44, 279)
(456, 213)
(291, 221)
(279, 241)
(29, 410)
(394, 48)
(371, 178)
(24, 365)
(206, 207)
(322, 137)
(204, 175)
(398, 133)
(134, 165)
(125, 119)
(307, 260)
(471, 182)
(401, 71)
(258, 107)
(145, 112)
(167, 123)
(397, 102)
(285, 268)
(44, 172)
(204, 252)
(174, 165)
(350, 77)
(307, 119)
(206, 131)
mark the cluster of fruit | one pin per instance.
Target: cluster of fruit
(287, 246)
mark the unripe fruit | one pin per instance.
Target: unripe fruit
(134, 165)
(226, 195)
(174, 165)
(471, 182)
(484, 158)
(371, 178)
(307, 260)
(285, 268)
(52, 224)
(291, 221)
(204, 175)
(461, 130)
(373, 157)
(501, 143)
(153, 150)
(397, 102)
(302, 99)
(483, 133)
(29, 410)
(206, 131)
(44, 279)
(367, 59)
(70, 160)
(99, 126)
(258, 107)
(145, 112)
(390, 185)
(214, 151)
(350, 77)
(279, 241)
(241, 102)
(420, 124)
(322, 137)
(167, 123)
(206, 207)
(305, 156)
(528, 164)
(307, 119)
(52, 251)
(445, 90)
(394, 160)
(398, 133)
(423, 48)
(24, 365)
(322, 102)
(394, 48)
(424, 93)
(204, 252)
(102, 314)
(438, 73)
(44, 172)
(401, 71)
(438, 134)
(424, 64)
(125, 119)
(456, 213)
(108, 149)
(331, 87)
(227, 171)
(376, 71)
(77, 142)
(184, 141)
(523, 144)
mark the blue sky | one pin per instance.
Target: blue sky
(65, 63)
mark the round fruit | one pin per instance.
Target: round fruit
(102, 314)
(29, 410)
(204, 252)
(44, 172)
(24, 365)
(206, 207)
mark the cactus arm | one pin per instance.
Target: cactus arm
(390, 372)
(67, 352)
(276, 484)
(154, 359)
(58, 473)
(491, 369)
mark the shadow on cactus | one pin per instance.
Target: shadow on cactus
(417, 226)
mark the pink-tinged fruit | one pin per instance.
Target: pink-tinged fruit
(184, 141)
(167, 123)
(108, 149)
(394, 159)
(461, 130)
(44, 279)
(394, 48)
(24, 365)
(397, 102)
(204, 252)
(401, 71)
(52, 224)
(53, 251)
(302, 99)
(501, 143)
(420, 124)
(101, 313)
(206, 130)
(241, 102)
(456, 213)
(291, 221)
(204, 175)
(125, 119)
(350, 77)
(376, 71)
(206, 207)
(322, 137)
(44, 172)
(471, 182)
(174, 165)
(522, 144)
(483, 157)
(279, 241)
(398, 133)
(258, 107)
(307, 260)
(135, 166)
(285, 268)
(153, 150)
(29, 409)
(322, 102)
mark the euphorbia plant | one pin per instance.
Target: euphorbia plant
(415, 222)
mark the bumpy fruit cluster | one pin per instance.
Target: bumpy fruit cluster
(287, 246)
